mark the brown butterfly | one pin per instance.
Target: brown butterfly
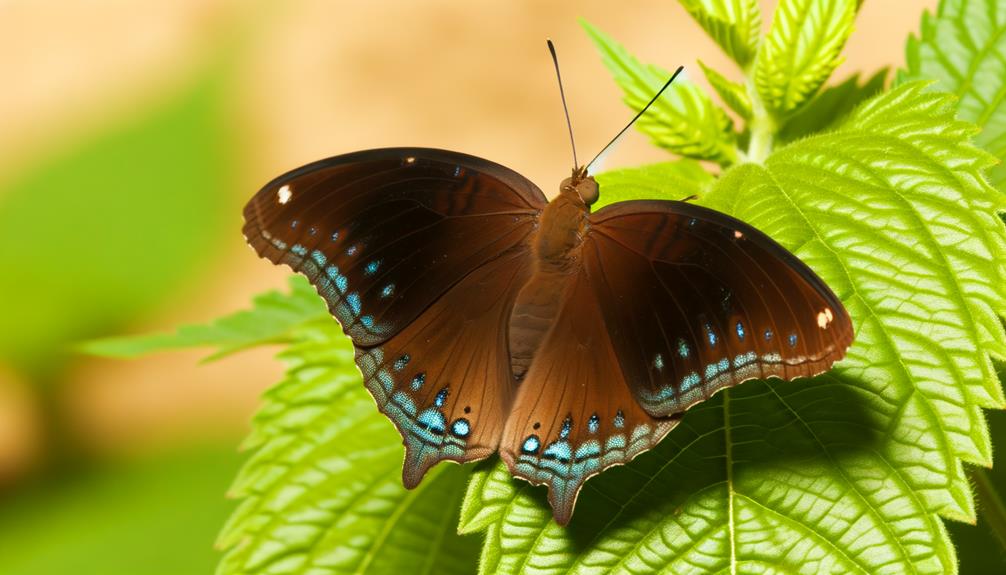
(486, 318)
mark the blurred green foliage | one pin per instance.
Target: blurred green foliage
(94, 237)
(157, 516)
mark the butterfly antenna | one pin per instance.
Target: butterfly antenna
(636, 117)
(562, 94)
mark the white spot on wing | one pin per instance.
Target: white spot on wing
(284, 194)
(824, 318)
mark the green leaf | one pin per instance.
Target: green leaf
(801, 50)
(323, 491)
(831, 106)
(982, 547)
(274, 318)
(684, 120)
(732, 93)
(156, 516)
(666, 180)
(96, 236)
(734, 24)
(847, 472)
(964, 48)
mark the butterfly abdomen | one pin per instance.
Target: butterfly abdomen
(557, 245)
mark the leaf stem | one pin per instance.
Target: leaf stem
(990, 504)
(762, 125)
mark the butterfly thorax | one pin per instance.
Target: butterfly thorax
(563, 224)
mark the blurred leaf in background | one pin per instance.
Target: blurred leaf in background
(111, 227)
(157, 516)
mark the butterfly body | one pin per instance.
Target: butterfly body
(556, 250)
(487, 319)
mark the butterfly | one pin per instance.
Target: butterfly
(488, 319)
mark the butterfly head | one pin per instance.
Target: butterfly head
(582, 185)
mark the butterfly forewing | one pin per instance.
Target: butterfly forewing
(419, 254)
(382, 234)
(698, 301)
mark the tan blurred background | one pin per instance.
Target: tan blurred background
(304, 80)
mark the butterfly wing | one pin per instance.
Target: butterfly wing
(703, 301)
(574, 414)
(383, 233)
(419, 254)
(672, 303)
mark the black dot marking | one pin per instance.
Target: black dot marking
(536, 425)
(468, 409)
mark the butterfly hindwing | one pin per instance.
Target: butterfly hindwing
(444, 380)
(699, 301)
(419, 254)
(574, 414)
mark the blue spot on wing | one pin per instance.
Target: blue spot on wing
(461, 427)
(401, 362)
(690, 381)
(560, 451)
(418, 380)
(353, 300)
(531, 444)
(619, 419)
(432, 420)
(567, 424)
(711, 335)
(440, 398)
